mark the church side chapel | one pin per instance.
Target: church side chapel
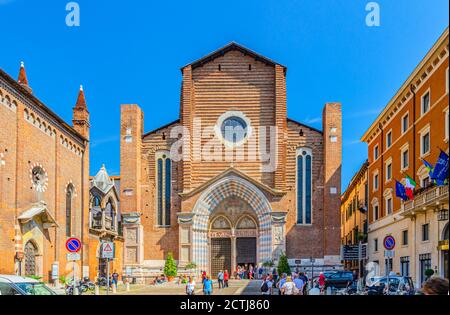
(219, 213)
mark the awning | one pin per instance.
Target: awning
(38, 210)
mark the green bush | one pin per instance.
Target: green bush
(429, 272)
(283, 265)
(190, 266)
(170, 267)
(268, 263)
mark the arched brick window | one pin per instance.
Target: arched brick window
(304, 186)
(163, 187)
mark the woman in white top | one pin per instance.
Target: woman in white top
(289, 287)
(190, 287)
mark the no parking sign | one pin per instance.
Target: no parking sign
(73, 245)
(389, 242)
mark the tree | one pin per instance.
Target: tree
(283, 265)
(170, 267)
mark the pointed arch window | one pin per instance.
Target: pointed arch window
(163, 187)
(304, 186)
(110, 215)
(69, 197)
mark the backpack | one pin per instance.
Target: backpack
(265, 287)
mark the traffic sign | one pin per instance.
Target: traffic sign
(73, 257)
(389, 242)
(108, 250)
(73, 245)
(389, 253)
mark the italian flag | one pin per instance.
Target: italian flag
(410, 184)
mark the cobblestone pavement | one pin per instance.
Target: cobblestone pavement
(236, 287)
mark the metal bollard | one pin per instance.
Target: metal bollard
(114, 288)
(75, 291)
(97, 290)
(127, 286)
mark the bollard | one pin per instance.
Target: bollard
(75, 291)
(127, 286)
(114, 288)
(97, 290)
(329, 291)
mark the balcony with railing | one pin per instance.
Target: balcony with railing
(100, 223)
(424, 198)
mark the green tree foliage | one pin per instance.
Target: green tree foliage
(170, 267)
(283, 265)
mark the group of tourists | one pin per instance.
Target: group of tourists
(295, 284)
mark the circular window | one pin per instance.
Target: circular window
(234, 129)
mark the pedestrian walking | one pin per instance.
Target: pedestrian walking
(281, 282)
(267, 286)
(299, 284)
(321, 282)
(304, 278)
(115, 278)
(190, 287)
(226, 277)
(207, 285)
(220, 279)
(288, 287)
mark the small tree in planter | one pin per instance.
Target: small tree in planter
(170, 267)
(429, 273)
(283, 265)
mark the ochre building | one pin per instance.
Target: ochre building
(44, 183)
(354, 206)
(196, 188)
(413, 126)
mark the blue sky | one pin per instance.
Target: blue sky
(131, 52)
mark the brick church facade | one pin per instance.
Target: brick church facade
(44, 182)
(233, 181)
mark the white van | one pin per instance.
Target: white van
(17, 285)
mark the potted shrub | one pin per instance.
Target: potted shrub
(191, 266)
(283, 265)
(429, 273)
(170, 268)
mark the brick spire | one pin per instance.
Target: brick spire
(81, 101)
(80, 118)
(22, 80)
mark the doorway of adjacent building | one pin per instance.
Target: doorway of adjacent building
(30, 253)
(220, 255)
(246, 251)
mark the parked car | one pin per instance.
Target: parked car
(338, 279)
(17, 285)
(398, 285)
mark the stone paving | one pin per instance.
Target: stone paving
(236, 287)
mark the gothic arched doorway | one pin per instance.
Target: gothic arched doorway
(233, 236)
(30, 254)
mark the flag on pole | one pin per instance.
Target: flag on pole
(441, 169)
(410, 186)
(400, 191)
(429, 167)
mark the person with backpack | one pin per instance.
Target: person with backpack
(267, 286)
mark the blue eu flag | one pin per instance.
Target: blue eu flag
(400, 190)
(440, 172)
